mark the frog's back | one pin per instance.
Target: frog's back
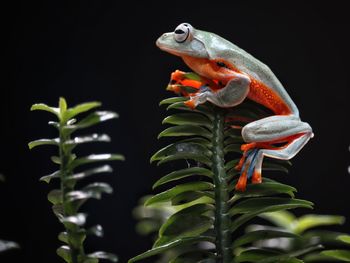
(264, 78)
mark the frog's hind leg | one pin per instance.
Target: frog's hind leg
(264, 134)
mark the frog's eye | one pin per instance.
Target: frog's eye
(183, 32)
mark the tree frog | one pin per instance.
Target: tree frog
(239, 76)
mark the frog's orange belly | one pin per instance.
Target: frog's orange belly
(264, 95)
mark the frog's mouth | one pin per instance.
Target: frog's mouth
(170, 50)
(163, 45)
(192, 48)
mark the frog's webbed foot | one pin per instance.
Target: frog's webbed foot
(250, 169)
(262, 136)
(188, 84)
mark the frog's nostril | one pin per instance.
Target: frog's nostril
(164, 35)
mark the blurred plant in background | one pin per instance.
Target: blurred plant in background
(4, 244)
(67, 200)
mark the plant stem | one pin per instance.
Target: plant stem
(68, 210)
(222, 217)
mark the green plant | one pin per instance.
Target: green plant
(306, 235)
(67, 200)
(214, 211)
(6, 245)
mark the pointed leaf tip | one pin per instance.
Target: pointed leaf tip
(40, 142)
(103, 255)
(80, 108)
(62, 105)
(44, 107)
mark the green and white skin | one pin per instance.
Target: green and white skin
(213, 57)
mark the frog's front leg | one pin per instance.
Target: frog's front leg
(261, 137)
(235, 91)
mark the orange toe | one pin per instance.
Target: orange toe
(190, 104)
(256, 178)
(177, 75)
(174, 88)
(242, 183)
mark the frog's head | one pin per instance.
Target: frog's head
(187, 41)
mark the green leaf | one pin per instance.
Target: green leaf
(93, 119)
(188, 119)
(172, 100)
(254, 255)
(95, 230)
(195, 256)
(80, 108)
(167, 195)
(62, 106)
(198, 140)
(47, 178)
(269, 166)
(96, 158)
(283, 259)
(192, 75)
(103, 255)
(102, 169)
(90, 260)
(188, 222)
(93, 190)
(287, 257)
(261, 235)
(253, 204)
(183, 226)
(56, 159)
(186, 241)
(64, 252)
(270, 256)
(55, 196)
(183, 173)
(207, 260)
(7, 245)
(182, 147)
(309, 221)
(179, 151)
(236, 148)
(317, 257)
(186, 156)
(256, 206)
(185, 130)
(71, 222)
(339, 254)
(203, 108)
(36, 143)
(190, 196)
(89, 138)
(44, 107)
(58, 210)
(63, 236)
(54, 124)
(324, 237)
(77, 238)
(234, 139)
(281, 218)
(265, 189)
(231, 164)
(344, 238)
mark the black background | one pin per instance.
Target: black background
(102, 50)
